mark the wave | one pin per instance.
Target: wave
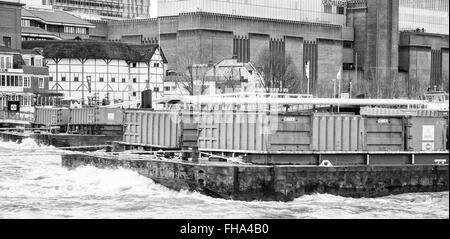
(26, 144)
(44, 189)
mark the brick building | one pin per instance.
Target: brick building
(10, 28)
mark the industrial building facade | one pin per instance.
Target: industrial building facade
(361, 39)
(373, 46)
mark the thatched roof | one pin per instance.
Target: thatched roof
(95, 50)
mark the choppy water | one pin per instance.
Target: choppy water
(34, 185)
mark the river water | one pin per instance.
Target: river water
(34, 185)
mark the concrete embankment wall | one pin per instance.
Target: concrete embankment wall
(279, 183)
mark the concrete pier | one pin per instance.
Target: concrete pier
(277, 182)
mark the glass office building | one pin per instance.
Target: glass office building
(430, 15)
(320, 11)
(108, 8)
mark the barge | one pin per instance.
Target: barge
(228, 149)
(88, 127)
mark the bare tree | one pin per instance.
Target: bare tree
(232, 78)
(190, 76)
(445, 83)
(278, 71)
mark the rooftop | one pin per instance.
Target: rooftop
(55, 17)
(95, 50)
(39, 32)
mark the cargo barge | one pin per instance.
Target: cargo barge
(308, 147)
(68, 127)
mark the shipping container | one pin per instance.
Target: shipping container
(96, 116)
(385, 133)
(427, 134)
(152, 128)
(293, 133)
(338, 133)
(51, 116)
(253, 131)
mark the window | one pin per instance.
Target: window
(41, 83)
(134, 93)
(123, 80)
(347, 66)
(7, 41)
(101, 79)
(340, 10)
(32, 61)
(134, 80)
(328, 9)
(38, 62)
(8, 62)
(156, 89)
(75, 78)
(50, 78)
(348, 44)
(2, 62)
(26, 82)
(63, 78)
(69, 29)
(113, 79)
(8, 80)
(155, 64)
(80, 30)
(167, 88)
(133, 65)
(25, 23)
(3, 81)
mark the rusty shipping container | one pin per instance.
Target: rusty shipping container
(427, 133)
(152, 128)
(51, 116)
(97, 116)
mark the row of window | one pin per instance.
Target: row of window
(32, 61)
(134, 65)
(19, 81)
(25, 100)
(100, 79)
(11, 80)
(73, 30)
(329, 9)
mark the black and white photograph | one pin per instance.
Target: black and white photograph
(224, 109)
